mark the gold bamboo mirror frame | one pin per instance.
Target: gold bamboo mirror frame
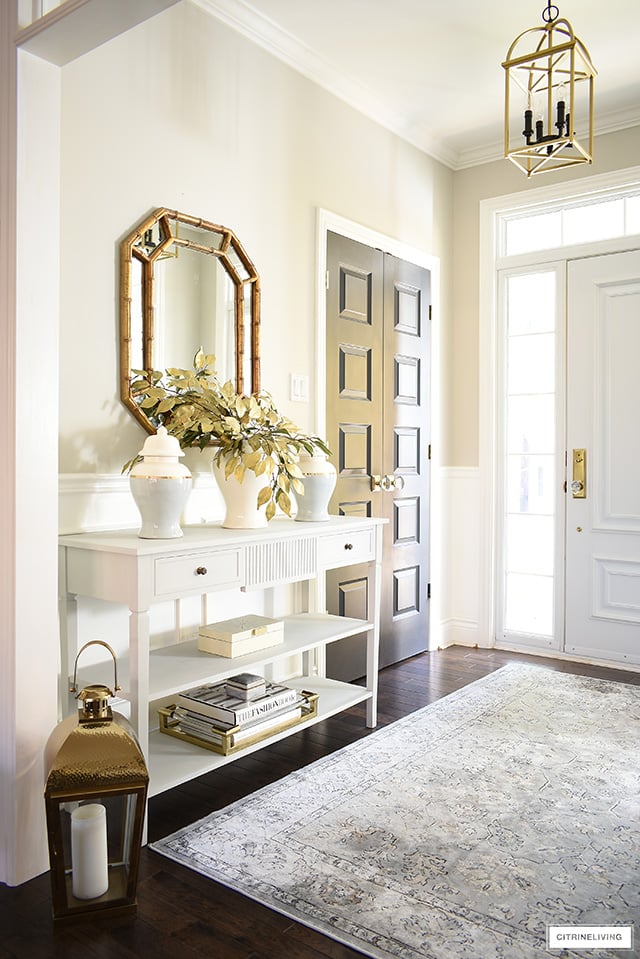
(186, 283)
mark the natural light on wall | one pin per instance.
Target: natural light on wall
(530, 448)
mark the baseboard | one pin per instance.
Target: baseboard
(456, 632)
(569, 657)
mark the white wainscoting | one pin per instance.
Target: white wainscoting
(89, 502)
(464, 557)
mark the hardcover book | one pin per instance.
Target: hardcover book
(214, 702)
(210, 732)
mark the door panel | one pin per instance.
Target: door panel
(354, 416)
(378, 425)
(603, 398)
(406, 430)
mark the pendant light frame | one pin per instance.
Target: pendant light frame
(551, 70)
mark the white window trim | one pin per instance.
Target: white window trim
(491, 212)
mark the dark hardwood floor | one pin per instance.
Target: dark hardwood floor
(182, 914)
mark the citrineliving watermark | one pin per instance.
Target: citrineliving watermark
(590, 937)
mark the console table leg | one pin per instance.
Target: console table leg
(139, 676)
(373, 646)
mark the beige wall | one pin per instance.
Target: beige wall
(614, 151)
(183, 112)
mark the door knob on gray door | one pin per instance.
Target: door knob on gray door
(387, 482)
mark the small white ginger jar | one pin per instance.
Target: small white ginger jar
(319, 481)
(160, 486)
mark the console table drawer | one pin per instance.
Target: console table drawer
(344, 549)
(199, 572)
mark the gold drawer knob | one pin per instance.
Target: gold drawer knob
(201, 571)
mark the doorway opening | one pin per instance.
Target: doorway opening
(543, 337)
(329, 223)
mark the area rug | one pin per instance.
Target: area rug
(458, 832)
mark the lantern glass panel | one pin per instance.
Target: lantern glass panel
(97, 849)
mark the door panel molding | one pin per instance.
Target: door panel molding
(616, 438)
(616, 589)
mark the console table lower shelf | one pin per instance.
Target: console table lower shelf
(173, 759)
(235, 740)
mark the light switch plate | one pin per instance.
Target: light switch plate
(299, 387)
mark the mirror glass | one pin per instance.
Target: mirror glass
(187, 284)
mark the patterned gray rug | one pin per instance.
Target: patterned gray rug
(459, 831)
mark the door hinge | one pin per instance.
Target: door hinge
(326, 280)
(428, 590)
(430, 311)
(429, 452)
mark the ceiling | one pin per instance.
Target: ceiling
(431, 71)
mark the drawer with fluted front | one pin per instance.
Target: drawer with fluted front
(343, 549)
(200, 572)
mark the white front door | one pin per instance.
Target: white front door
(603, 419)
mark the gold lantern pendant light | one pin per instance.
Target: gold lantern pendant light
(548, 96)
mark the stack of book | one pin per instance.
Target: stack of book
(235, 712)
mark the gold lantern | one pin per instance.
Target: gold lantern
(548, 96)
(95, 796)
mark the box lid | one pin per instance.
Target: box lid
(245, 681)
(241, 627)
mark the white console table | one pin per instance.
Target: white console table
(120, 567)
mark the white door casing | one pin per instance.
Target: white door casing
(603, 400)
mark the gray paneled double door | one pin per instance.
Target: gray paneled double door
(378, 333)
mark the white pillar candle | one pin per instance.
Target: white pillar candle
(90, 871)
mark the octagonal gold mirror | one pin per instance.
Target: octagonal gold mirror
(187, 284)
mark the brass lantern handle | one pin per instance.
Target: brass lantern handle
(95, 642)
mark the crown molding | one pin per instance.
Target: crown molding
(261, 30)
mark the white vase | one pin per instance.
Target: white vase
(160, 486)
(319, 481)
(241, 499)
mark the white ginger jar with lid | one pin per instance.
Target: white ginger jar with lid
(319, 481)
(160, 486)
